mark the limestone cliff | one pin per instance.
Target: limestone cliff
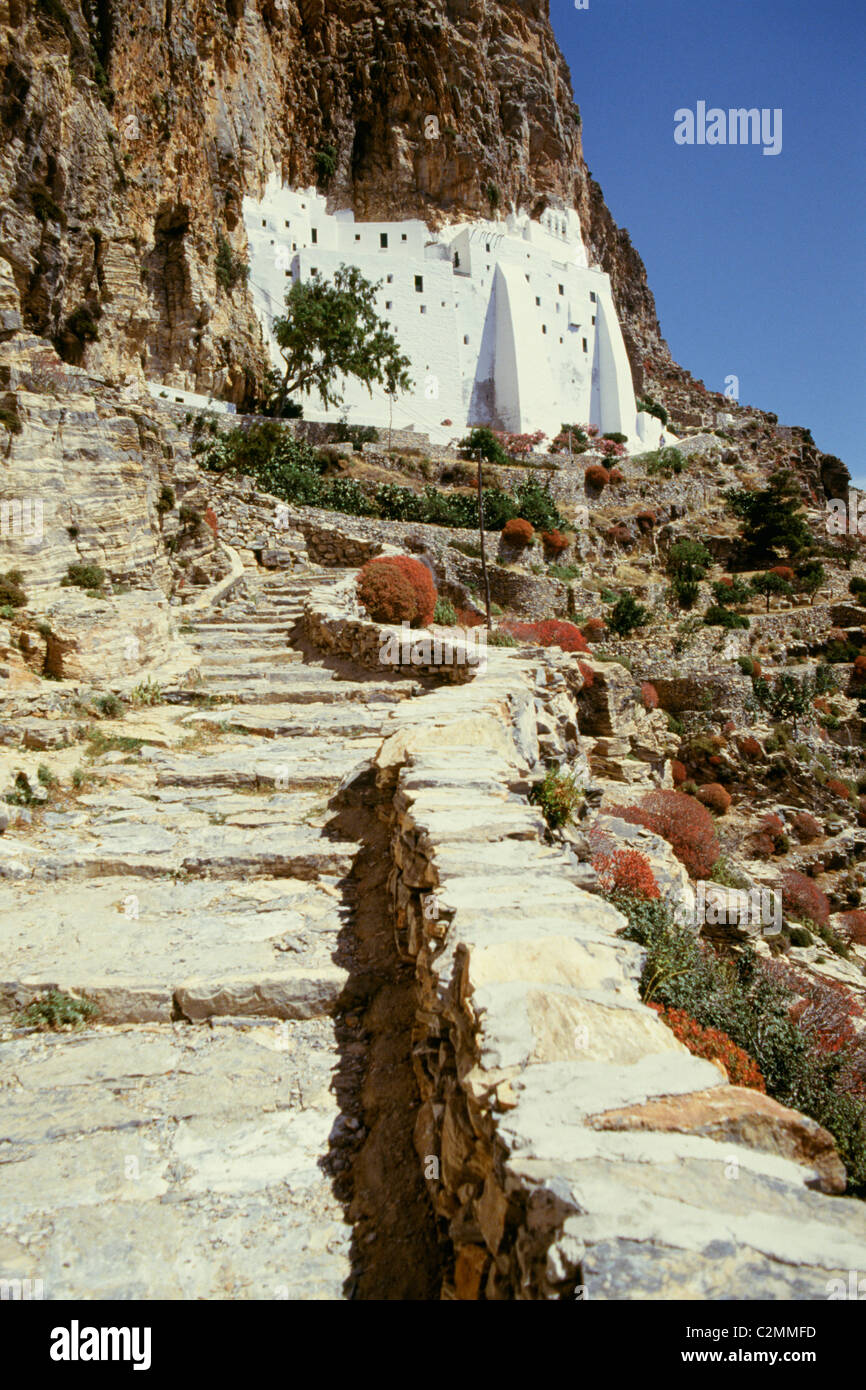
(132, 130)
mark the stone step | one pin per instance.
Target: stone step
(144, 949)
(176, 1162)
(298, 721)
(309, 684)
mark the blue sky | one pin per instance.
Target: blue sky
(757, 262)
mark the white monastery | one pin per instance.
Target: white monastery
(504, 322)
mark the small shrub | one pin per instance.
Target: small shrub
(230, 268)
(627, 615)
(147, 692)
(596, 476)
(55, 1010)
(784, 572)
(210, 520)
(518, 532)
(858, 675)
(501, 639)
(326, 163)
(554, 632)
(854, 924)
(649, 696)
(714, 797)
(857, 587)
(554, 543)
(84, 576)
(839, 789)
(445, 613)
(678, 772)
(717, 616)
(803, 898)
(615, 475)
(682, 821)
(558, 796)
(714, 1045)
(594, 629)
(646, 520)
(387, 595)
(165, 501)
(805, 827)
(588, 674)
(626, 871)
(12, 595)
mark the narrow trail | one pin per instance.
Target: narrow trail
(237, 1121)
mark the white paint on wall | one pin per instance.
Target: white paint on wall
(504, 322)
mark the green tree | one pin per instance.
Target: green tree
(769, 584)
(331, 329)
(809, 577)
(772, 518)
(687, 562)
(482, 440)
(627, 615)
(786, 698)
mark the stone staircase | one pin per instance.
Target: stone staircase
(189, 1141)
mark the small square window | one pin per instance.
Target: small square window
(287, 272)
(390, 279)
(264, 221)
(419, 284)
(537, 300)
(389, 304)
(592, 296)
(443, 303)
(403, 237)
(287, 222)
(357, 236)
(314, 235)
(423, 308)
(313, 270)
(527, 279)
(294, 246)
(383, 240)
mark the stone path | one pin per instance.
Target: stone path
(190, 1142)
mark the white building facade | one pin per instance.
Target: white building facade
(504, 322)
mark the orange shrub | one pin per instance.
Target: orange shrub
(588, 674)
(784, 572)
(382, 587)
(713, 1045)
(386, 594)
(551, 633)
(649, 696)
(678, 771)
(593, 629)
(518, 531)
(626, 871)
(211, 520)
(802, 897)
(682, 821)
(619, 535)
(854, 923)
(838, 788)
(646, 520)
(749, 747)
(596, 476)
(805, 827)
(714, 797)
(858, 675)
(554, 542)
(615, 475)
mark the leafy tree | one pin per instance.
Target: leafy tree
(734, 593)
(687, 562)
(769, 584)
(481, 440)
(786, 698)
(331, 329)
(809, 577)
(230, 268)
(326, 163)
(627, 615)
(772, 518)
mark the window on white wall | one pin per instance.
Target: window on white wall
(592, 296)
(357, 236)
(544, 328)
(389, 304)
(423, 308)
(390, 279)
(585, 345)
(466, 338)
(383, 240)
(537, 300)
(593, 318)
(562, 289)
(315, 235)
(403, 237)
(419, 284)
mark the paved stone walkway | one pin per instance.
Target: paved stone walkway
(188, 1144)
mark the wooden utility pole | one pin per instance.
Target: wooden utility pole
(481, 534)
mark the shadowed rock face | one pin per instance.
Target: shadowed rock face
(132, 131)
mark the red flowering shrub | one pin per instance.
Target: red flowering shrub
(678, 771)
(727, 580)
(858, 675)
(713, 1045)
(803, 898)
(805, 827)
(619, 535)
(382, 585)
(682, 821)
(749, 747)
(854, 924)
(784, 572)
(615, 475)
(757, 669)
(588, 674)
(468, 617)
(518, 531)
(593, 629)
(838, 788)
(729, 727)
(610, 448)
(626, 871)
(551, 633)
(386, 594)
(554, 542)
(211, 520)
(861, 805)
(714, 797)
(646, 520)
(649, 696)
(596, 476)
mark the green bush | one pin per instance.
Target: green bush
(651, 407)
(501, 639)
(558, 796)
(326, 163)
(627, 615)
(482, 440)
(665, 462)
(857, 587)
(84, 576)
(717, 616)
(56, 1010)
(445, 613)
(230, 268)
(165, 501)
(12, 594)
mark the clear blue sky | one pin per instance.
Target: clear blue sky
(757, 263)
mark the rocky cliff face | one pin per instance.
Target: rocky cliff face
(132, 130)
